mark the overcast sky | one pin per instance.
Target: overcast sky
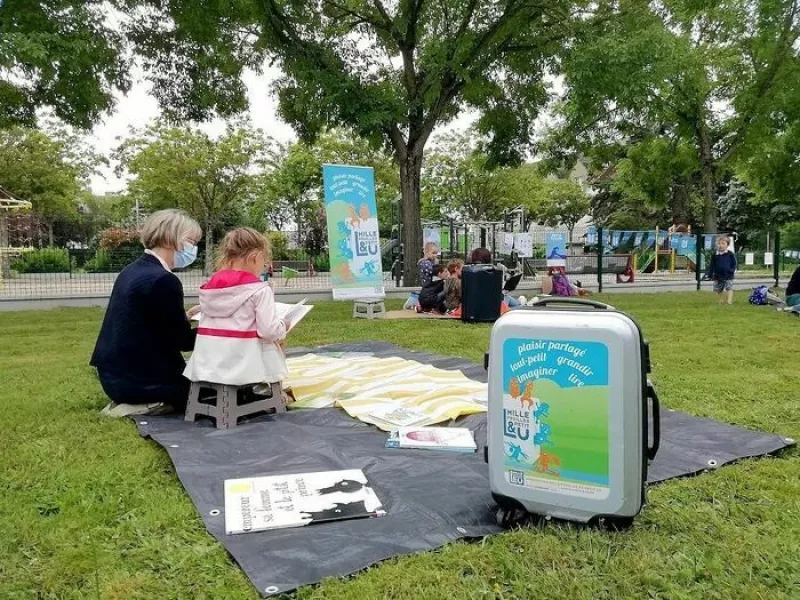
(139, 107)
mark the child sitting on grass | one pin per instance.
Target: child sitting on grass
(721, 270)
(239, 337)
(431, 297)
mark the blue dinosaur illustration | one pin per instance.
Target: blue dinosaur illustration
(542, 410)
(543, 437)
(344, 249)
(369, 269)
(516, 454)
(342, 227)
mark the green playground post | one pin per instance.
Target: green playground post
(776, 257)
(600, 260)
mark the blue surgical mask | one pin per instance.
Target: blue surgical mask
(185, 257)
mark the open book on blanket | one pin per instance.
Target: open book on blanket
(293, 313)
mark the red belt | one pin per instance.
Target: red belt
(228, 333)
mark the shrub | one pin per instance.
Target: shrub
(43, 260)
(118, 237)
(111, 261)
(321, 263)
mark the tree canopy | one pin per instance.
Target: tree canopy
(391, 71)
(186, 168)
(693, 80)
(64, 55)
(45, 170)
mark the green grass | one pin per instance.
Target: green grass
(88, 509)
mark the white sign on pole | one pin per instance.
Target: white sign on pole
(749, 258)
(768, 259)
(508, 243)
(433, 235)
(524, 244)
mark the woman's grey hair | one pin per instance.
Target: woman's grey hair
(168, 228)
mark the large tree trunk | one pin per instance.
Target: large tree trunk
(410, 178)
(208, 268)
(50, 238)
(707, 178)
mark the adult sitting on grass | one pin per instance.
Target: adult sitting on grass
(793, 289)
(145, 329)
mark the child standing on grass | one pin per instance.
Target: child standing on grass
(722, 269)
(239, 337)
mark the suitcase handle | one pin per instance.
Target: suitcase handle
(580, 301)
(653, 397)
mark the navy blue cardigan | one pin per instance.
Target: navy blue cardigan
(722, 266)
(145, 327)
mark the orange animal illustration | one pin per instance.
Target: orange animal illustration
(544, 462)
(354, 219)
(527, 395)
(343, 272)
(364, 214)
(513, 388)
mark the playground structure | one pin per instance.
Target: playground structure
(653, 252)
(8, 203)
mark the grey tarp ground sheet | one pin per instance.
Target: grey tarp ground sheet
(431, 498)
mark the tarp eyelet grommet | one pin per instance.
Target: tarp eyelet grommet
(272, 589)
(712, 463)
(174, 446)
(461, 530)
(214, 513)
(789, 440)
(142, 422)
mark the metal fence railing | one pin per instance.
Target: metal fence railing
(30, 269)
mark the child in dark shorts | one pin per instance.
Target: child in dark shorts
(722, 270)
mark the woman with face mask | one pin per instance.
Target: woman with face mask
(138, 352)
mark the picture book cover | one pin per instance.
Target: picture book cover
(281, 501)
(453, 439)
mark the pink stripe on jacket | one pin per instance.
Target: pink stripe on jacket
(237, 341)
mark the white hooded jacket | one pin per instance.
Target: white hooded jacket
(239, 331)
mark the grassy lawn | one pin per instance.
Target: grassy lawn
(89, 509)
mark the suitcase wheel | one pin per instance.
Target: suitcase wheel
(510, 517)
(608, 523)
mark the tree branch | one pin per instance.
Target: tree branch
(788, 37)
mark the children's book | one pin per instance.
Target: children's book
(281, 501)
(398, 416)
(450, 439)
(293, 313)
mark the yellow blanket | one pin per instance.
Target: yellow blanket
(362, 384)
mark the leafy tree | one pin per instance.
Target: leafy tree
(564, 203)
(458, 183)
(391, 71)
(36, 167)
(688, 74)
(185, 168)
(292, 190)
(65, 55)
(739, 211)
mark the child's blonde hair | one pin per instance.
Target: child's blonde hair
(240, 243)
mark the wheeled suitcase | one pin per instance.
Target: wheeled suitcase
(481, 293)
(569, 413)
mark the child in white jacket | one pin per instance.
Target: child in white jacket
(239, 335)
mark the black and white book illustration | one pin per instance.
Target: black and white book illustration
(275, 502)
